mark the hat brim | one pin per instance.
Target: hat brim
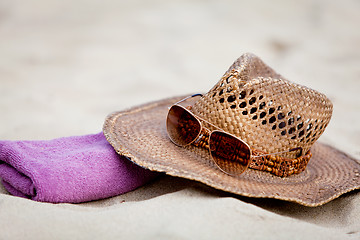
(140, 134)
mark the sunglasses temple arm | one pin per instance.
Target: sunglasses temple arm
(182, 100)
(196, 94)
(291, 150)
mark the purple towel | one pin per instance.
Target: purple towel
(71, 169)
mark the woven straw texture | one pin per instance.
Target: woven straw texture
(140, 134)
(267, 111)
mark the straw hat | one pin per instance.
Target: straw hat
(270, 113)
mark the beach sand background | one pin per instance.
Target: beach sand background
(65, 65)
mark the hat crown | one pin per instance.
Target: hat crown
(267, 111)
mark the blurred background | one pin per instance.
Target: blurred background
(65, 65)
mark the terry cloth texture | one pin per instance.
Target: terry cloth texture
(68, 170)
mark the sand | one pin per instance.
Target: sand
(65, 65)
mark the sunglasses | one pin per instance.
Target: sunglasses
(231, 154)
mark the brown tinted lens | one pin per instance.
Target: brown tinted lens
(229, 153)
(182, 127)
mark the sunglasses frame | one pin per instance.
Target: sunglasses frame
(199, 135)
